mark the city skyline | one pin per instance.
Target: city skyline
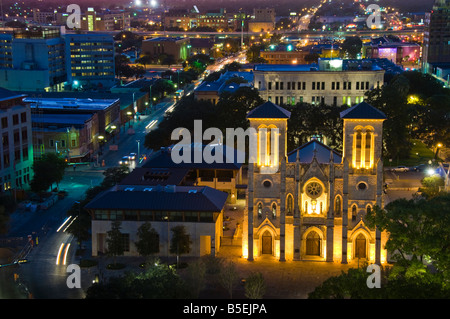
(225, 149)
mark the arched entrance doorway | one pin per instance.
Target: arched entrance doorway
(360, 246)
(313, 244)
(266, 243)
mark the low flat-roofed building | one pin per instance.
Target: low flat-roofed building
(230, 81)
(198, 209)
(177, 47)
(225, 175)
(71, 126)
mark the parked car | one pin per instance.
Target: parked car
(132, 156)
(124, 161)
(400, 169)
(420, 167)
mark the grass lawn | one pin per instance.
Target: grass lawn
(419, 154)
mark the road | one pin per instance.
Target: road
(45, 273)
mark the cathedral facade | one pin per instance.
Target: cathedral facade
(310, 203)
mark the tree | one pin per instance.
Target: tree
(180, 243)
(168, 60)
(195, 277)
(148, 243)
(114, 241)
(431, 185)
(80, 226)
(113, 175)
(351, 46)
(255, 286)
(48, 169)
(419, 230)
(228, 277)
(157, 282)
(145, 60)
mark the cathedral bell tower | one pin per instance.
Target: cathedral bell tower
(266, 183)
(363, 172)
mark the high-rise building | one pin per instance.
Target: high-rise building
(45, 59)
(264, 20)
(16, 149)
(32, 59)
(97, 21)
(90, 60)
(436, 42)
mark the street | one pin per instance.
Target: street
(44, 274)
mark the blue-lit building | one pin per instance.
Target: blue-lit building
(32, 60)
(90, 60)
(45, 59)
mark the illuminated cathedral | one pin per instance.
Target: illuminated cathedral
(311, 203)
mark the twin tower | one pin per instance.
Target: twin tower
(312, 206)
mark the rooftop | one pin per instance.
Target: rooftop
(268, 110)
(9, 95)
(70, 103)
(363, 110)
(161, 198)
(312, 149)
(163, 158)
(324, 65)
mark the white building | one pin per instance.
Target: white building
(198, 209)
(331, 81)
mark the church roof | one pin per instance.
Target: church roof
(269, 110)
(363, 110)
(314, 148)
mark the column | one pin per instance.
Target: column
(283, 211)
(297, 238)
(330, 215)
(345, 212)
(250, 211)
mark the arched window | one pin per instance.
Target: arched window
(338, 206)
(368, 150)
(357, 150)
(368, 209)
(354, 212)
(290, 205)
(259, 210)
(274, 211)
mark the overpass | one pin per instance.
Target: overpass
(299, 34)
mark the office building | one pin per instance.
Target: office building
(32, 59)
(102, 21)
(176, 47)
(263, 21)
(436, 40)
(16, 149)
(330, 81)
(73, 126)
(90, 60)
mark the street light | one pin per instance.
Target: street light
(113, 128)
(130, 114)
(101, 139)
(438, 146)
(139, 149)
